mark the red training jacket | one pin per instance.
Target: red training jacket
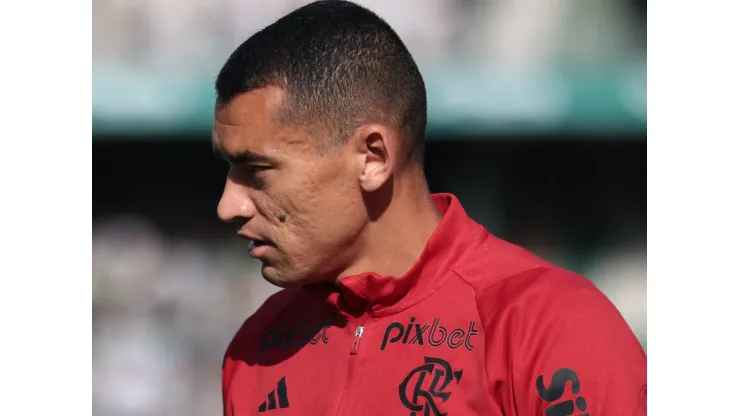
(478, 326)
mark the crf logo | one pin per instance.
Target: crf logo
(434, 335)
(556, 391)
(426, 383)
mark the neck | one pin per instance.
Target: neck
(393, 242)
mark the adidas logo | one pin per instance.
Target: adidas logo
(282, 398)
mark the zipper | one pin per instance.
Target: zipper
(359, 329)
(356, 342)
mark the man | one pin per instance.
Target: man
(395, 301)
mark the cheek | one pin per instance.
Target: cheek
(339, 207)
(303, 205)
(264, 204)
(318, 202)
(318, 198)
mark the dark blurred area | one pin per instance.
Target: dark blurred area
(585, 193)
(536, 122)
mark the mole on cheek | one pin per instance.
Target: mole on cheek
(282, 218)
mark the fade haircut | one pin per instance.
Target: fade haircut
(341, 66)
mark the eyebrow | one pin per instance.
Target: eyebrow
(243, 156)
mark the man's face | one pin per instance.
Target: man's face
(304, 209)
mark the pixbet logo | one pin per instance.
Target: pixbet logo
(422, 396)
(436, 334)
(293, 336)
(556, 391)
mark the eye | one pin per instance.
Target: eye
(255, 172)
(257, 168)
(254, 175)
(247, 169)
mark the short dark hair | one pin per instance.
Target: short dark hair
(341, 65)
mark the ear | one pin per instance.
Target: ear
(376, 147)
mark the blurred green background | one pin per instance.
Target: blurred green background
(537, 121)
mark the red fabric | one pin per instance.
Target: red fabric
(477, 327)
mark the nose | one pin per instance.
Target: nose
(235, 203)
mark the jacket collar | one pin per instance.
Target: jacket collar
(383, 295)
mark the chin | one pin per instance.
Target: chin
(282, 279)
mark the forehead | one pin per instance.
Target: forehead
(249, 122)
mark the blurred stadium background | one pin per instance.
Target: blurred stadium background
(537, 121)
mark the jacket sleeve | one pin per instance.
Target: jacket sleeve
(226, 375)
(238, 346)
(234, 361)
(570, 350)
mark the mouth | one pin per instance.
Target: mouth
(258, 248)
(258, 243)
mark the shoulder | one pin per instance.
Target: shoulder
(492, 260)
(505, 276)
(547, 290)
(548, 305)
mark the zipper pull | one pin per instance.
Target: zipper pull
(356, 342)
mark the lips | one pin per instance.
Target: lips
(258, 248)
(257, 243)
(253, 237)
